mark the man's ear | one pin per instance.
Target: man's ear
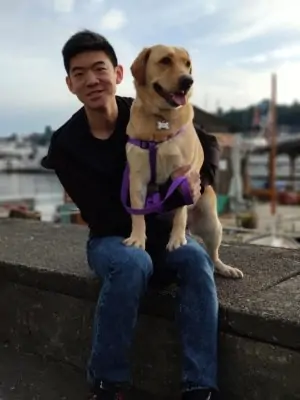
(138, 67)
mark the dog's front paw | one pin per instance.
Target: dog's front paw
(135, 241)
(176, 241)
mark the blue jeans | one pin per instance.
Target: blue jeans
(125, 272)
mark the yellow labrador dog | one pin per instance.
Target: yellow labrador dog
(161, 116)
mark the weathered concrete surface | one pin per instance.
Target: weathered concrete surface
(47, 299)
(274, 315)
(52, 257)
(257, 371)
(30, 377)
(60, 327)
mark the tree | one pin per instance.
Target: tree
(287, 115)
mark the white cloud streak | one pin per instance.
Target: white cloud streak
(114, 20)
(254, 18)
(64, 6)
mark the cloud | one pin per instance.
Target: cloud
(287, 53)
(210, 7)
(256, 18)
(63, 6)
(113, 20)
(235, 46)
(239, 87)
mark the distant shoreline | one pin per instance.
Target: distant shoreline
(27, 171)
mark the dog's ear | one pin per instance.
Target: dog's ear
(188, 55)
(138, 67)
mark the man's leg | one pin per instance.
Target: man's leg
(124, 272)
(197, 315)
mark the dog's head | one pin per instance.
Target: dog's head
(163, 74)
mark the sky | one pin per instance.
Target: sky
(235, 45)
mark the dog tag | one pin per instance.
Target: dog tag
(162, 125)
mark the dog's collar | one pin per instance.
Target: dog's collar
(147, 144)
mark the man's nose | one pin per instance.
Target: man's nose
(91, 79)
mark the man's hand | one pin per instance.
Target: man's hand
(193, 179)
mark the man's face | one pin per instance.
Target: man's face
(93, 78)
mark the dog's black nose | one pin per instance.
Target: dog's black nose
(185, 82)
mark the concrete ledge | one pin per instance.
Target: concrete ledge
(252, 370)
(31, 377)
(50, 296)
(52, 257)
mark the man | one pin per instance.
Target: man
(88, 156)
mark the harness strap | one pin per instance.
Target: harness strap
(152, 147)
(154, 202)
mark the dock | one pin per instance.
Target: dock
(286, 223)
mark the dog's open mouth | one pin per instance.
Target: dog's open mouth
(175, 99)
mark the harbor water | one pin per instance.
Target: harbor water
(48, 193)
(45, 189)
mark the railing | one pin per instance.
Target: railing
(237, 229)
(35, 196)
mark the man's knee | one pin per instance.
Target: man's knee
(195, 262)
(110, 256)
(132, 262)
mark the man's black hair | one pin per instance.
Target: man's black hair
(84, 41)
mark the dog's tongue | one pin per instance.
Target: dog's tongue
(178, 98)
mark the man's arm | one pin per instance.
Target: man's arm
(50, 160)
(210, 165)
(207, 174)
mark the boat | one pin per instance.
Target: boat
(20, 156)
(281, 241)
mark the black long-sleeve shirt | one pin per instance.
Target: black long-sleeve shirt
(91, 172)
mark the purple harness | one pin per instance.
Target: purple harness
(154, 202)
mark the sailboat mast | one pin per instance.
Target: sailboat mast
(273, 140)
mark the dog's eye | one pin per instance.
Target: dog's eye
(188, 64)
(166, 61)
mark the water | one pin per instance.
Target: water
(258, 168)
(44, 188)
(48, 193)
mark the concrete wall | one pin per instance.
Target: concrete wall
(48, 295)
